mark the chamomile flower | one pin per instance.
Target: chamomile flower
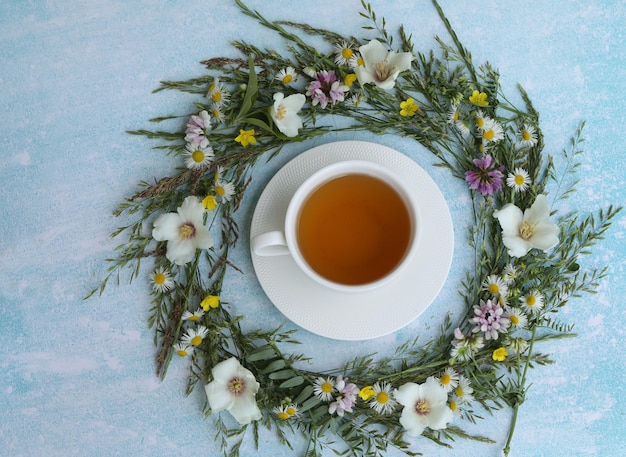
(449, 379)
(491, 132)
(517, 318)
(495, 285)
(183, 349)
(217, 113)
(324, 388)
(532, 301)
(509, 274)
(453, 114)
(161, 280)
(286, 411)
(382, 401)
(356, 61)
(527, 136)
(453, 404)
(464, 391)
(196, 156)
(193, 317)
(519, 180)
(343, 53)
(482, 119)
(286, 75)
(217, 93)
(194, 336)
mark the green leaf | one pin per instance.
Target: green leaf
(252, 90)
(283, 374)
(261, 353)
(293, 382)
(274, 366)
(310, 403)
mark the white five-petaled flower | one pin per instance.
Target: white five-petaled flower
(381, 66)
(284, 112)
(425, 405)
(522, 232)
(184, 231)
(233, 389)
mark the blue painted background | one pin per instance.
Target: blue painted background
(77, 377)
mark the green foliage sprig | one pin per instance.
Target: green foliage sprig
(441, 85)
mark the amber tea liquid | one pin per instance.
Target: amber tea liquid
(354, 229)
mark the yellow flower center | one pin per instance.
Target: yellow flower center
(212, 87)
(326, 387)
(531, 300)
(360, 62)
(519, 180)
(514, 319)
(455, 116)
(458, 391)
(159, 278)
(236, 386)
(445, 379)
(346, 53)
(494, 289)
(282, 415)
(452, 405)
(186, 231)
(281, 112)
(216, 96)
(291, 411)
(382, 397)
(197, 156)
(526, 135)
(287, 78)
(422, 407)
(193, 317)
(480, 122)
(196, 340)
(220, 191)
(182, 353)
(488, 135)
(526, 230)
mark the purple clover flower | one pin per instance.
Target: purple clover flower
(326, 88)
(346, 398)
(197, 128)
(486, 179)
(489, 319)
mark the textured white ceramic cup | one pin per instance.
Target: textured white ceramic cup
(284, 242)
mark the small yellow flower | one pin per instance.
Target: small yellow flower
(349, 79)
(209, 202)
(246, 137)
(210, 301)
(499, 354)
(479, 98)
(367, 392)
(408, 108)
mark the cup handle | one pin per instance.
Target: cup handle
(269, 244)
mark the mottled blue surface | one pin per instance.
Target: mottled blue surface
(77, 377)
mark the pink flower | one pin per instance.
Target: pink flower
(197, 128)
(326, 89)
(489, 319)
(346, 398)
(486, 179)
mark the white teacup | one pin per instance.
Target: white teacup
(352, 226)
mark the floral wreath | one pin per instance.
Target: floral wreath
(526, 265)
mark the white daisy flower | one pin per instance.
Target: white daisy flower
(516, 316)
(482, 119)
(495, 285)
(509, 273)
(491, 132)
(464, 391)
(193, 317)
(532, 301)
(196, 156)
(194, 336)
(324, 388)
(343, 53)
(161, 280)
(449, 379)
(225, 190)
(527, 136)
(454, 114)
(382, 401)
(286, 75)
(519, 180)
(217, 113)
(183, 350)
(356, 61)
(217, 93)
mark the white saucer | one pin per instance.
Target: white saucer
(350, 316)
